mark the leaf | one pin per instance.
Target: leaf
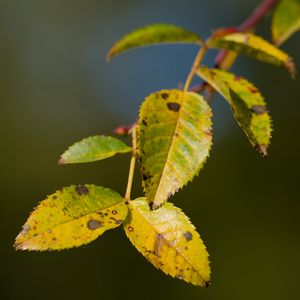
(169, 241)
(153, 34)
(248, 105)
(286, 20)
(174, 139)
(72, 217)
(92, 149)
(255, 47)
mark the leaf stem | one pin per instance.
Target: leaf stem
(195, 65)
(132, 164)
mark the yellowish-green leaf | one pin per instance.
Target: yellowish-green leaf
(92, 149)
(72, 217)
(169, 241)
(286, 20)
(248, 105)
(153, 34)
(174, 139)
(255, 47)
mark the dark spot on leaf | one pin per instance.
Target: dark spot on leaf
(259, 109)
(119, 222)
(253, 89)
(173, 106)
(130, 228)
(144, 122)
(106, 214)
(188, 236)
(54, 239)
(94, 224)
(165, 95)
(114, 212)
(82, 190)
(54, 197)
(145, 177)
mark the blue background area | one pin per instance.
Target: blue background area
(57, 88)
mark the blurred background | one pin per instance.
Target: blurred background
(56, 89)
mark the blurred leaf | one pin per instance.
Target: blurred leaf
(72, 217)
(286, 20)
(169, 241)
(92, 149)
(153, 34)
(248, 105)
(174, 139)
(255, 47)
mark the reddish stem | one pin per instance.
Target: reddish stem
(250, 23)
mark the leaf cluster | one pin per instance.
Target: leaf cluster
(171, 141)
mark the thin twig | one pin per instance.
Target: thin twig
(132, 164)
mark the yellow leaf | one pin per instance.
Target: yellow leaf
(174, 139)
(169, 241)
(248, 105)
(72, 217)
(253, 46)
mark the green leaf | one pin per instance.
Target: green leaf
(92, 149)
(169, 241)
(72, 217)
(174, 139)
(286, 20)
(255, 47)
(153, 34)
(249, 107)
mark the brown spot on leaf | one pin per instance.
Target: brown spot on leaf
(94, 224)
(165, 95)
(259, 109)
(114, 212)
(119, 222)
(158, 243)
(130, 228)
(82, 190)
(173, 106)
(188, 236)
(253, 90)
(144, 122)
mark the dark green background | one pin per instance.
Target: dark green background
(56, 88)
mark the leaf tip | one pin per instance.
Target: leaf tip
(263, 149)
(62, 161)
(291, 67)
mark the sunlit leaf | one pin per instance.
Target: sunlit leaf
(174, 139)
(255, 47)
(153, 34)
(286, 20)
(92, 149)
(72, 217)
(248, 105)
(169, 241)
